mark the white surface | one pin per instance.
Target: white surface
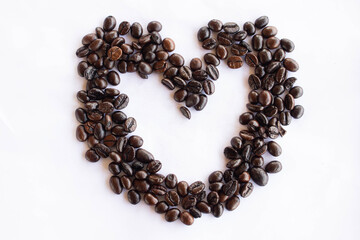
(49, 191)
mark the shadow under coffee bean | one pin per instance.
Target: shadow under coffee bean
(106, 128)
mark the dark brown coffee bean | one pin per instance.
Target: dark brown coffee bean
(133, 197)
(289, 101)
(168, 83)
(280, 75)
(261, 22)
(213, 198)
(185, 73)
(144, 156)
(89, 38)
(182, 188)
(161, 207)
(171, 181)
(249, 28)
(269, 31)
(196, 187)
(274, 149)
(229, 188)
(253, 97)
(186, 218)
(209, 43)
(257, 42)
(177, 60)
(215, 25)
(245, 118)
(121, 101)
(184, 111)
(240, 36)
(102, 150)
(265, 98)
(154, 166)
(232, 203)
(154, 26)
(156, 179)
(172, 215)
(273, 167)
(114, 168)
(99, 131)
(251, 59)
(225, 39)
(297, 111)
(287, 45)
(238, 50)
(145, 68)
(259, 176)
(216, 176)
(259, 71)
(285, 118)
(296, 92)
(80, 115)
(195, 212)
(246, 189)
(168, 44)
(208, 86)
(291, 65)
(178, 81)
(217, 210)
(136, 30)
(172, 198)
(195, 64)
(212, 59)
(83, 52)
(81, 134)
(194, 86)
(96, 45)
(141, 185)
(265, 56)
(254, 82)
(231, 27)
(202, 103)
(279, 55)
(189, 201)
(180, 95)
(221, 52)
(289, 83)
(82, 96)
(203, 33)
(231, 153)
(115, 184)
(272, 42)
(150, 199)
(234, 62)
(114, 53)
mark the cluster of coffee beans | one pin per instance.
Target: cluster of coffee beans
(108, 130)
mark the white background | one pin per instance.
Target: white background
(49, 191)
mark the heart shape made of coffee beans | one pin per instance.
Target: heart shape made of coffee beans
(107, 129)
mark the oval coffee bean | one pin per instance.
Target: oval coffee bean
(234, 62)
(115, 184)
(287, 45)
(273, 167)
(133, 197)
(261, 22)
(259, 176)
(232, 203)
(172, 215)
(274, 148)
(291, 65)
(297, 112)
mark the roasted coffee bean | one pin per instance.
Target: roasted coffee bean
(203, 33)
(280, 75)
(115, 184)
(144, 156)
(155, 38)
(90, 73)
(102, 150)
(194, 86)
(130, 124)
(265, 98)
(272, 42)
(296, 92)
(216, 186)
(272, 67)
(273, 132)
(257, 161)
(240, 36)
(186, 218)
(150, 199)
(121, 101)
(234, 62)
(254, 108)
(297, 111)
(118, 117)
(99, 131)
(232, 203)
(254, 82)
(82, 96)
(177, 60)
(195, 64)
(178, 81)
(162, 55)
(171, 181)
(136, 30)
(231, 153)
(279, 104)
(208, 86)
(253, 126)
(89, 38)
(196, 187)
(211, 58)
(262, 119)
(246, 135)
(133, 197)
(200, 75)
(261, 22)
(291, 65)
(114, 53)
(253, 97)
(202, 102)
(189, 201)
(273, 167)
(114, 168)
(289, 83)
(221, 52)
(172, 215)
(185, 73)
(161, 207)
(238, 50)
(257, 42)
(289, 101)
(225, 39)
(213, 198)
(172, 198)
(212, 71)
(246, 152)
(274, 149)
(117, 42)
(80, 115)
(285, 118)
(245, 118)
(249, 28)
(180, 95)
(156, 179)
(287, 45)
(265, 56)
(154, 26)
(209, 43)
(106, 107)
(137, 57)
(168, 83)
(231, 27)
(141, 185)
(81, 134)
(145, 68)
(109, 37)
(154, 166)
(269, 31)
(171, 72)
(259, 71)
(246, 189)
(126, 182)
(135, 141)
(168, 44)
(195, 212)
(217, 210)
(232, 164)
(128, 154)
(96, 45)
(259, 176)
(216, 176)
(215, 25)
(185, 112)
(182, 188)
(236, 143)
(95, 115)
(229, 188)
(83, 52)
(251, 59)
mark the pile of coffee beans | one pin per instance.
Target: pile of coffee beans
(108, 131)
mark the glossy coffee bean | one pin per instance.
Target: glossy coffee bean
(257, 42)
(232, 203)
(182, 188)
(168, 44)
(297, 112)
(215, 25)
(172, 215)
(296, 92)
(259, 176)
(185, 112)
(161, 207)
(171, 181)
(291, 65)
(251, 59)
(154, 26)
(287, 45)
(274, 148)
(203, 33)
(217, 210)
(261, 22)
(273, 167)
(180, 95)
(176, 59)
(186, 218)
(272, 42)
(234, 62)
(195, 64)
(133, 197)
(249, 28)
(115, 184)
(221, 52)
(269, 31)
(209, 43)
(81, 134)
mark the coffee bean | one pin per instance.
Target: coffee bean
(186, 218)
(259, 71)
(236, 143)
(221, 52)
(231, 153)
(234, 62)
(254, 82)
(154, 166)
(285, 118)
(289, 83)
(195, 212)
(261, 22)
(232, 203)
(238, 50)
(246, 189)
(178, 81)
(269, 31)
(161, 207)
(229, 188)
(251, 59)
(273, 167)
(245, 118)
(99, 131)
(257, 42)
(196, 187)
(145, 68)
(102, 150)
(136, 141)
(180, 95)
(126, 182)
(249, 28)
(154, 26)
(291, 65)
(81, 134)
(202, 102)
(156, 179)
(296, 92)
(274, 148)
(297, 111)
(144, 156)
(150, 199)
(240, 36)
(168, 44)
(184, 111)
(158, 190)
(265, 98)
(172, 215)
(114, 168)
(121, 101)
(231, 27)
(115, 184)
(213, 198)
(212, 59)
(217, 210)
(259, 176)
(189, 201)
(172, 198)
(215, 25)
(133, 197)
(209, 43)
(176, 59)
(168, 83)
(194, 86)
(289, 101)
(287, 45)
(272, 42)
(171, 181)
(195, 64)
(203, 33)
(208, 86)
(185, 73)
(141, 185)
